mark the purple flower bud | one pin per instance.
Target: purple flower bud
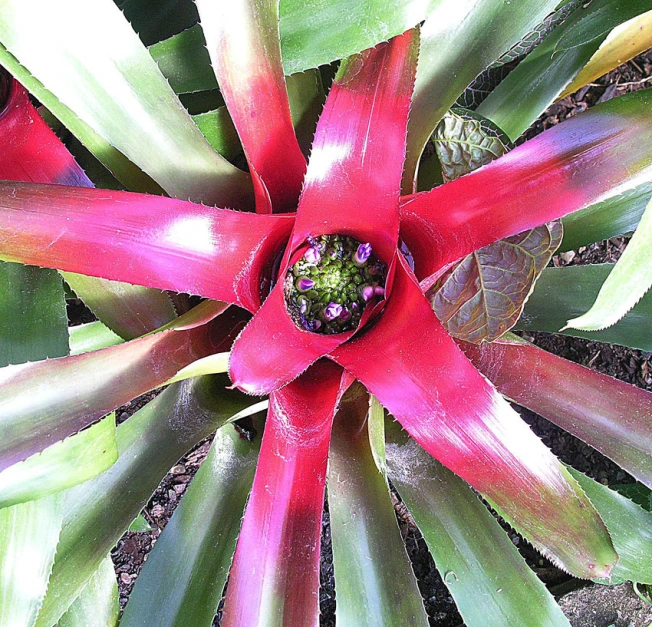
(304, 307)
(379, 291)
(332, 311)
(345, 315)
(355, 306)
(367, 292)
(304, 284)
(362, 254)
(312, 256)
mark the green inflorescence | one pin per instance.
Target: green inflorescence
(328, 289)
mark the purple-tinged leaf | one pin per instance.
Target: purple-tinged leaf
(612, 416)
(144, 240)
(43, 402)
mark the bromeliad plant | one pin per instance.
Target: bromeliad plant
(337, 287)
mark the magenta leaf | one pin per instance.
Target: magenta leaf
(459, 418)
(275, 574)
(612, 416)
(144, 240)
(589, 158)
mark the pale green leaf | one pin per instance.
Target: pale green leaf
(627, 283)
(140, 524)
(213, 364)
(62, 465)
(93, 336)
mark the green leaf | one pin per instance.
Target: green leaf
(626, 284)
(218, 129)
(104, 74)
(99, 603)
(99, 511)
(128, 310)
(158, 19)
(465, 142)
(61, 466)
(563, 293)
(307, 97)
(32, 314)
(481, 297)
(458, 41)
(182, 580)
(28, 539)
(637, 492)
(93, 336)
(140, 524)
(212, 364)
(376, 428)
(374, 582)
(630, 528)
(490, 582)
(615, 216)
(542, 76)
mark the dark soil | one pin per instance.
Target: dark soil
(594, 606)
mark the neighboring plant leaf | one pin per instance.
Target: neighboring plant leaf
(563, 293)
(146, 309)
(182, 580)
(369, 557)
(637, 492)
(615, 216)
(626, 284)
(490, 582)
(216, 363)
(307, 97)
(622, 44)
(32, 314)
(62, 465)
(93, 336)
(73, 392)
(542, 76)
(630, 528)
(155, 20)
(218, 129)
(28, 539)
(482, 297)
(107, 77)
(99, 511)
(610, 415)
(458, 41)
(99, 603)
(376, 428)
(140, 524)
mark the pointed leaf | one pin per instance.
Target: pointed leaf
(612, 416)
(154, 21)
(587, 159)
(146, 309)
(374, 582)
(275, 574)
(483, 296)
(182, 580)
(460, 419)
(243, 41)
(32, 314)
(563, 293)
(93, 336)
(490, 582)
(541, 77)
(615, 216)
(106, 76)
(629, 526)
(140, 524)
(99, 511)
(217, 127)
(145, 240)
(99, 603)
(43, 402)
(28, 539)
(626, 284)
(459, 40)
(61, 466)
(623, 43)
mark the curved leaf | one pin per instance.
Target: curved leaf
(99, 511)
(99, 603)
(490, 582)
(182, 580)
(612, 416)
(563, 293)
(374, 582)
(60, 466)
(106, 76)
(85, 338)
(626, 284)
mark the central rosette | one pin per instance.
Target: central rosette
(328, 289)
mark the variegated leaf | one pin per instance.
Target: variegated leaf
(482, 296)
